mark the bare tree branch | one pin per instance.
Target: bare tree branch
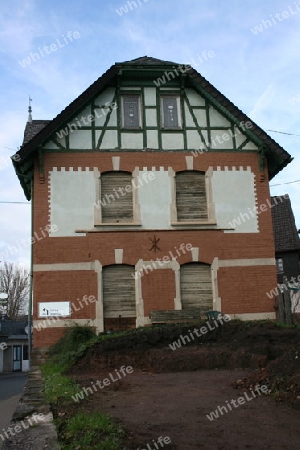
(14, 281)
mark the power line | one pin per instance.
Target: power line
(288, 182)
(23, 203)
(282, 132)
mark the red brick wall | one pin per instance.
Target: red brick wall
(158, 290)
(242, 289)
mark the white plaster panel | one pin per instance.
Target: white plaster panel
(150, 96)
(51, 145)
(171, 141)
(151, 118)
(194, 139)
(72, 195)
(110, 139)
(216, 119)
(188, 117)
(80, 139)
(239, 137)
(152, 139)
(83, 113)
(132, 140)
(105, 96)
(221, 139)
(194, 98)
(101, 114)
(234, 194)
(250, 146)
(201, 117)
(155, 200)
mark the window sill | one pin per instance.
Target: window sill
(117, 224)
(194, 222)
(99, 227)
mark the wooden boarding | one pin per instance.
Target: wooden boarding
(177, 316)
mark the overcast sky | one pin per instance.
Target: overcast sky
(256, 65)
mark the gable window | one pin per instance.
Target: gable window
(116, 197)
(131, 114)
(279, 265)
(170, 108)
(191, 201)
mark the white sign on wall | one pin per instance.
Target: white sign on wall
(54, 309)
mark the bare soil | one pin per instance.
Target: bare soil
(170, 393)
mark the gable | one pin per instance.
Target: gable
(98, 125)
(209, 121)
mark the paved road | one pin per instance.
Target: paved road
(11, 384)
(11, 387)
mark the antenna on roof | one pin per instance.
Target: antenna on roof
(29, 110)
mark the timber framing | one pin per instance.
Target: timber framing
(133, 77)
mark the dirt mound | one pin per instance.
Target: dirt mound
(262, 346)
(282, 376)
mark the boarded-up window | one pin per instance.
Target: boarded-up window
(116, 197)
(170, 112)
(196, 286)
(131, 111)
(191, 200)
(118, 291)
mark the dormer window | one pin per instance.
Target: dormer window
(131, 111)
(170, 112)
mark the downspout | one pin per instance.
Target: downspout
(30, 283)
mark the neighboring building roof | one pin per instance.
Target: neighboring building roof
(32, 128)
(12, 328)
(38, 131)
(284, 226)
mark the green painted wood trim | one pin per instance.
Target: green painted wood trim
(104, 128)
(182, 110)
(158, 118)
(233, 136)
(227, 114)
(143, 117)
(41, 162)
(261, 158)
(132, 131)
(194, 119)
(93, 124)
(119, 110)
(67, 141)
(54, 140)
(141, 150)
(208, 122)
(243, 144)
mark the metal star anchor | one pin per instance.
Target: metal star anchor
(155, 246)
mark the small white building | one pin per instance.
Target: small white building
(13, 345)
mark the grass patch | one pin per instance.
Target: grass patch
(58, 386)
(92, 431)
(81, 430)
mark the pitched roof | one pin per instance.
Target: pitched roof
(39, 131)
(12, 328)
(32, 128)
(284, 226)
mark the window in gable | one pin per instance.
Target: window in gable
(191, 201)
(279, 265)
(131, 114)
(170, 108)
